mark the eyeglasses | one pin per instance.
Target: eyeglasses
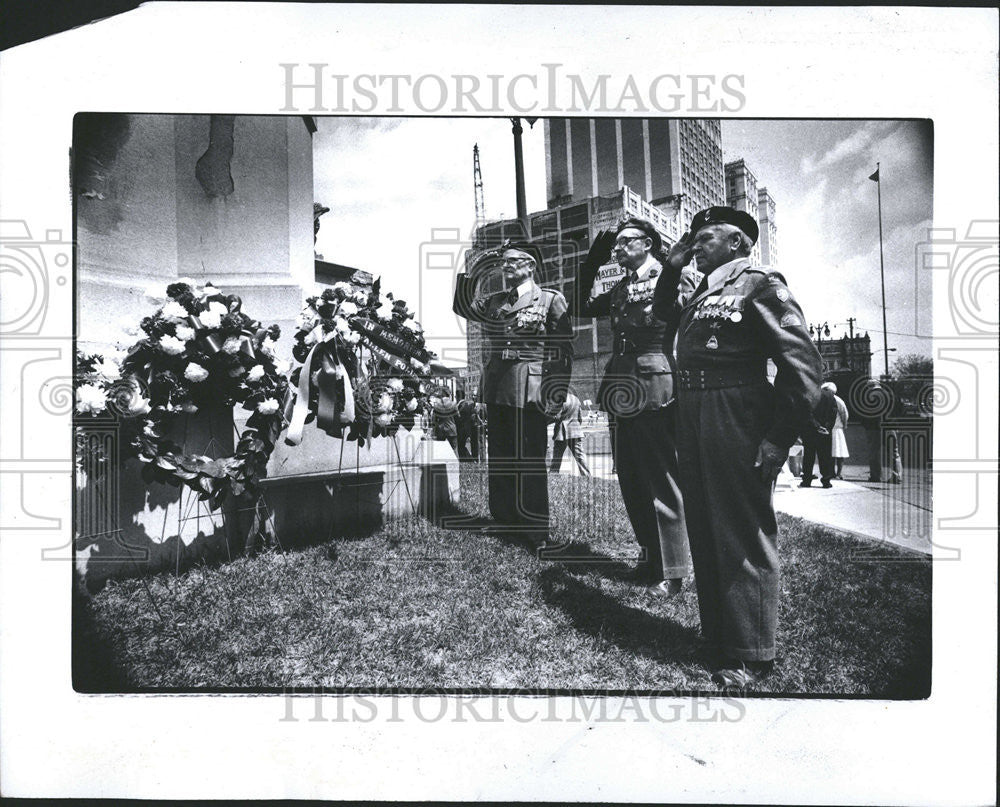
(620, 242)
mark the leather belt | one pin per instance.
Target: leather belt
(623, 345)
(521, 354)
(719, 378)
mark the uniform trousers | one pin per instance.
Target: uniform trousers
(730, 517)
(576, 447)
(646, 459)
(518, 484)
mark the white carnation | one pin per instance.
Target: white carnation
(231, 345)
(210, 319)
(352, 337)
(90, 399)
(383, 419)
(184, 333)
(268, 406)
(343, 288)
(411, 404)
(385, 402)
(108, 370)
(413, 325)
(171, 345)
(267, 347)
(195, 372)
(256, 373)
(384, 310)
(395, 384)
(282, 366)
(174, 311)
(360, 297)
(348, 309)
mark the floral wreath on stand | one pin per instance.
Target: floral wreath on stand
(365, 367)
(199, 352)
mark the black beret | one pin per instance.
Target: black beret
(726, 215)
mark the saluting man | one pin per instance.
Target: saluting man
(735, 429)
(637, 391)
(528, 338)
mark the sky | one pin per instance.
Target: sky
(402, 206)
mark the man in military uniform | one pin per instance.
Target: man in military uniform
(528, 338)
(734, 429)
(636, 392)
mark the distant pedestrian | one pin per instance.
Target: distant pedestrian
(838, 438)
(877, 403)
(817, 442)
(443, 413)
(568, 431)
(468, 424)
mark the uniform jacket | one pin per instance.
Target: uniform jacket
(569, 422)
(528, 344)
(738, 318)
(638, 377)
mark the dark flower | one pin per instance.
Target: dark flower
(174, 290)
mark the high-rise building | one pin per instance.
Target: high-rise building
(742, 193)
(768, 228)
(660, 159)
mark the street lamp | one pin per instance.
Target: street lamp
(819, 331)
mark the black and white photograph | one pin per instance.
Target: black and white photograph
(295, 476)
(372, 402)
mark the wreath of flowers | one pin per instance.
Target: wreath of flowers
(366, 363)
(199, 352)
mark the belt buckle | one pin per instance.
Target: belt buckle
(508, 353)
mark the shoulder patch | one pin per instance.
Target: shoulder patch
(782, 294)
(789, 320)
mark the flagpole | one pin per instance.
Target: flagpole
(881, 260)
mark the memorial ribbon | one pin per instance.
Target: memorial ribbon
(388, 340)
(329, 374)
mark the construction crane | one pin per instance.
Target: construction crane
(477, 181)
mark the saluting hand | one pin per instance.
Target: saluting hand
(679, 255)
(769, 459)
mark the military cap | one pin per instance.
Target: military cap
(726, 215)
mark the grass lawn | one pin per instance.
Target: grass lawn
(414, 605)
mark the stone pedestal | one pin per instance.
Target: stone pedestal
(126, 527)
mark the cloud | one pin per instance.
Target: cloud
(858, 142)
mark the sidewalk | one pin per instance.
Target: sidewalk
(897, 514)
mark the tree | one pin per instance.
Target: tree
(913, 365)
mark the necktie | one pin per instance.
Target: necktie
(512, 297)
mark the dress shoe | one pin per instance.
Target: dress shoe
(805, 483)
(667, 589)
(827, 483)
(736, 676)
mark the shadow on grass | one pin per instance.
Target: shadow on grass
(633, 629)
(93, 659)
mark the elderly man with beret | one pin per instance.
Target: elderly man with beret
(528, 338)
(735, 429)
